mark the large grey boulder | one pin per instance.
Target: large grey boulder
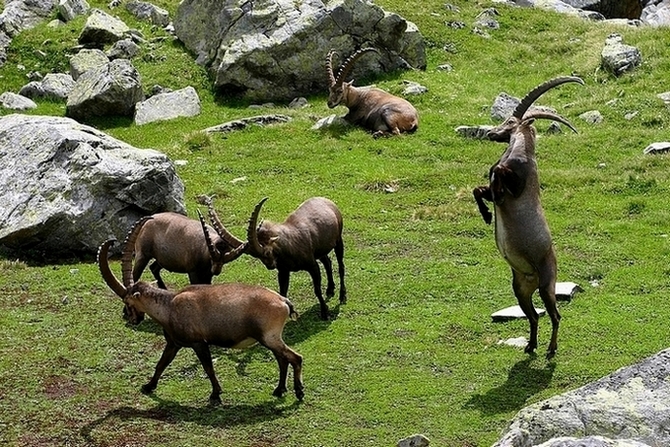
(12, 101)
(147, 11)
(85, 60)
(617, 57)
(611, 9)
(20, 15)
(67, 187)
(629, 408)
(102, 28)
(657, 14)
(109, 90)
(167, 106)
(276, 50)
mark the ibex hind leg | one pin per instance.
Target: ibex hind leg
(547, 289)
(339, 255)
(205, 357)
(524, 286)
(286, 356)
(328, 266)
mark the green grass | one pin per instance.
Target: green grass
(414, 349)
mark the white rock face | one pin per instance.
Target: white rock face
(167, 106)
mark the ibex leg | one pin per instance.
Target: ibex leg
(169, 353)
(315, 273)
(339, 255)
(205, 357)
(328, 266)
(524, 286)
(547, 290)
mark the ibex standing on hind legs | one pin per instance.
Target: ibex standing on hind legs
(521, 230)
(369, 107)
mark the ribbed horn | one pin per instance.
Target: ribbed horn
(129, 249)
(348, 65)
(538, 91)
(226, 235)
(214, 253)
(107, 275)
(549, 116)
(329, 67)
(252, 233)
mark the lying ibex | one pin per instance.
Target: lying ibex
(227, 315)
(308, 234)
(369, 107)
(521, 231)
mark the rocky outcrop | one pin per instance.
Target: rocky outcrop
(611, 9)
(149, 12)
(111, 89)
(617, 57)
(275, 50)
(630, 407)
(70, 9)
(66, 187)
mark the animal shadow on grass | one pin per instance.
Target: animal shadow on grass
(174, 413)
(522, 383)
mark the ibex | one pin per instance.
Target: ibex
(227, 315)
(308, 234)
(369, 107)
(521, 231)
(176, 243)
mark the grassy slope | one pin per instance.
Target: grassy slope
(414, 349)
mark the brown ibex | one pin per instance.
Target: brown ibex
(227, 315)
(369, 107)
(176, 244)
(308, 234)
(521, 231)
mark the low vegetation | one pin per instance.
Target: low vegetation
(414, 349)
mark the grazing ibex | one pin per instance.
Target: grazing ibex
(369, 107)
(308, 234)
(521, 231)
(227, 315)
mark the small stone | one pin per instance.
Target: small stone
(518, 342)
(512, 313)
(414, 441)
(657, 148)
(565, 291)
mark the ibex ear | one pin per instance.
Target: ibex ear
(529, 121)
(136, 295)
(274, 238)
(348, 84)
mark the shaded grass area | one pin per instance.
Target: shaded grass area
(414, 349)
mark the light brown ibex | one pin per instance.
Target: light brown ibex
(308, 234)
(369, 107)
(228, 315)
(521, 231)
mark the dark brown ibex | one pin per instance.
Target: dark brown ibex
(521, 231)
(308, 234)
(369, 107)
(176, 244)
(226, 315)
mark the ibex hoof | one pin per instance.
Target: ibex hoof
(550, 354)
(299, 393)
(279, 391)
(147, 389)
(530, 348)
(214, 400)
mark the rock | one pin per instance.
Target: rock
(66, 187)
(102, 28)
(109, 90)
(665, 97)
(512, 313)
(13, 101)
(630, 407)
(618, 58)
(413, 88)
(331, 122)
(592, 117)
(69, 9)
(656, 15)
(85, 60)
(54, 86)
(414, 441)
(518, 342)
(487, 19)
(275, 50)
(123, 49)
(657, 148)
(20, 15)
(166, 106)
(261, 120)
(565, 291)
(503, 107)
(298, 103)
(147, 11)
(477, 132)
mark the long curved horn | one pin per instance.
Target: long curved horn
(107, 275)
(329, 67)
(226, 235)
(549, 116)
(214, 253)
(128, 249)
(254, 247)
(538, 91)
(348, 65)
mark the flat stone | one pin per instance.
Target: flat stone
(565, 291)
(513, 313)
(657, 148)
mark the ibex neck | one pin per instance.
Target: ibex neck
(154, 301)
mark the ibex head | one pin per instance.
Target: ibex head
(125, 291)
(338, 87)
(262, 239)
(503, 131)
(224, 250)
